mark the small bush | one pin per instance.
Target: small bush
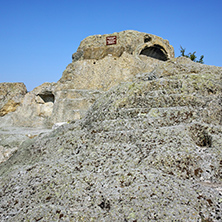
(191, 56)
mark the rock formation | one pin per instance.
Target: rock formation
(11, 95)
(131, 42)
(96, 67)
(23, 109)
(147, 149)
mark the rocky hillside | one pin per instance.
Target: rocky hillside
(149, 149)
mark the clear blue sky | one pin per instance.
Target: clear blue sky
(38, 37)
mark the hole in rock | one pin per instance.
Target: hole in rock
(155, 51)
(200, 136)
(147, 38)
(105, 204)
(47, 97)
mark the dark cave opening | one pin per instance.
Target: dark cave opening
(47, 97)
(155, 51)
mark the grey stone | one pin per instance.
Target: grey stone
(147, 149)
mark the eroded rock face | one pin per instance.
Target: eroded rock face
(85, 80)
(96, 67)
(11, 95)
(35, 108)
(148, 149)
(33, 111)
(131, 42)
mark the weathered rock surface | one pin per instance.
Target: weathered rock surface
(32, 109)
(11, 95)
(13, 137)
(149, 149)
(96, 67)
(85, 80)
(36, 107)
(131, 42)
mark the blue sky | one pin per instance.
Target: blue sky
(38, 37)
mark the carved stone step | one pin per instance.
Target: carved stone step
(144, 119)
(168, 100)
(140, 136)
(78, 93)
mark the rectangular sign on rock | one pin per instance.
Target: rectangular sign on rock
(111, 40)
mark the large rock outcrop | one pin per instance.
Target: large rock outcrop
(97, 66)
(131, 42)
(11, 95)
(36, 108)
(148, 149)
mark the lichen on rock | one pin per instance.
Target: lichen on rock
(147, 149)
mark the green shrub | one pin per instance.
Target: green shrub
(191, 56)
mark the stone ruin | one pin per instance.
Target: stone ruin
(98, 65)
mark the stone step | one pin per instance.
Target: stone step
(159, 92)
(146, 119)
(193, 83)
(135, 106)
(128, 113)
(78, 93)
(122, 150)
(184, 83)
(77, 114)
(138, 136)
(70, 109)
(168, 86)
(165, 83)
(78, 103)
(163, 100)
(70, 115)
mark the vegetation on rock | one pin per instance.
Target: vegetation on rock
(190, 55)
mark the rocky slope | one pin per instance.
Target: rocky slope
(11, 138)
(149, 149)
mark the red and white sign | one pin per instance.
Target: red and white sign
(111, 40)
